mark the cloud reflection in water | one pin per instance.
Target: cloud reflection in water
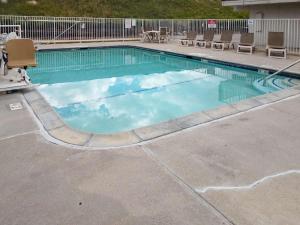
(122, 89)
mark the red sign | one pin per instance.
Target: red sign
(212, 23)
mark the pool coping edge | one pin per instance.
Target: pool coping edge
(56, 128)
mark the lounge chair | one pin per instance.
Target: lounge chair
(189, 40)
(276, 45)
(225, 41)
(246, 44)
(163, 34)
(208, 37)
(20, 54)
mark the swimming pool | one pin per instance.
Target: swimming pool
(115, 89)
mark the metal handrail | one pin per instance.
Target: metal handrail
(69, 28)
(279, 71)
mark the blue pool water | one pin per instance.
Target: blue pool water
(108, 90)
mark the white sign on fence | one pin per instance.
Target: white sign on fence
(133, 22)
(127, 23)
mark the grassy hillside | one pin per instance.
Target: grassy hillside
(122, 8)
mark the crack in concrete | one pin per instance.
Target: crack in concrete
(184, 184)
(246, 187)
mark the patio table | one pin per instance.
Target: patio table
(153, 35)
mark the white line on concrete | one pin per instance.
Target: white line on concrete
(247, 187)
(20, 134)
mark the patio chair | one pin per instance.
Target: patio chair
(163, 34)
(275, 46)
(189, 40)
(225, 41)
(208, 37)
(20, 54)
(246, 44)
(145, 36)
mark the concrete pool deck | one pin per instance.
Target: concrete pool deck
(240, 170)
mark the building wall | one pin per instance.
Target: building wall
(273, 11)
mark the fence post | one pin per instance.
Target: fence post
(25, 27)
(288, 36)
(79, 30)
(228, 24)
(172, 29)
(123, 22)
(54, 30)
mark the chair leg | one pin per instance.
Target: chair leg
(183, 42)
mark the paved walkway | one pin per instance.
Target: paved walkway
(242, 170)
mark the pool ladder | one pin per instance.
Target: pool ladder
(279, 71)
